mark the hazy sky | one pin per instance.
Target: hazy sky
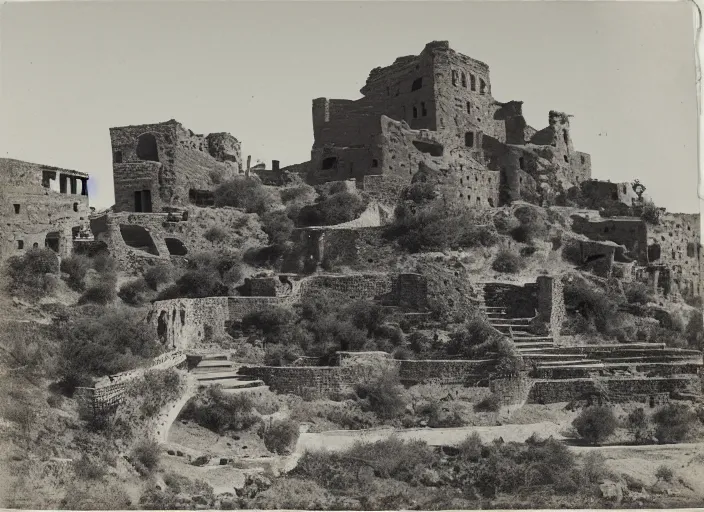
(70, 71)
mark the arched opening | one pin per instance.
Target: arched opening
(161, 327)
(415, 112)
(75, 207)
(147, 148)
(491, 202)
(565, 137)
(138, 238)
(473, 82)
(482, 86)
(522, 163)
(417, 84)
(53, 241)
(464, 80)
(454, 77)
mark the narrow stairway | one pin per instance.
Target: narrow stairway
(217, 369)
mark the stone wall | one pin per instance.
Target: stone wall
(551, 303)
(598, 193)
(512, 392)
(309, 382)
(41, 206)
(613, 389)
(166, 161)
(444, 371)
(629, 232)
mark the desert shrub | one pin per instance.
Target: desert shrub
(151, 392)
(594, 467)
(694, 331)
(196, 283)
(104, 264)
(420, 342)
(637, 293)
(103, 293)
(651, 213)
(215, 234)
(146, 456)
(436, 227)
(76, 267)
(420, 192)
(299, 193)
(596, 306)
(509, 361)
(280, 436)
(674, 423)
(246, 193)
(470, 449)
(278, 354)
(154, 498)
(98, 496)
(106, 342)
(595, 424)
(271, 322)
(572, 252)
(638, 424)
(366, 315)
(277, 226)
(403, 354)
(184, 485)
(135, 292)
(220, 412)
(157, 275)
(491, 403)
(508, 262)
(532, 225)
(293, 494)
(334, 209)
(664, 473)
(475, 337)
(87, 469)
(384, 394)
(28, 272)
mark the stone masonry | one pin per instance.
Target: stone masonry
(41, 206)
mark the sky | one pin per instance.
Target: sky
(70, 71)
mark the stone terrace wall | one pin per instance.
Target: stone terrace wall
(443, 371)
(306, 381)
(617, 389)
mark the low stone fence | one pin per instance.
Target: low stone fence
(444, 371)
(614, 389)
(108, 392)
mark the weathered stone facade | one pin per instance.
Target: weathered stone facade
(41, 206)
(164, 164)
(437, 108)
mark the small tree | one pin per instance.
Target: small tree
(281, 436)
(674, 423)
(638, 424)
(507, 262)
(76, 267)
(664, 473)
(146, 455)
(595, 424)
(157, 275)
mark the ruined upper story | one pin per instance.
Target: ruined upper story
(21, 177)
(164, 164)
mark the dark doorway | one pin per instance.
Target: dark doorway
(330, 163)
(175, 247)
(143, 201)
(147, 148)
(53, 241)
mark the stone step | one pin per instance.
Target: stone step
(224, 356)
(230, 386)
(211, 376)
(534, 337)
(252, 389)
(563, 364)
(214, 363)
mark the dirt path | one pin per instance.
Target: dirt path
(342, 439)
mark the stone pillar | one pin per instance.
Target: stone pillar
(551, 303)
(274, 165)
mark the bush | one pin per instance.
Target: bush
(491, 403)
(594, 305)
(638, 425)
(508, 262)
(334, 209)
(271, 322)
(594, 467)
(651, 213)
(86, 469)
(146, 455)
(157, 275)
(28, 272)
(674, 423)
(220, 412)
(246, 193)
(196, 284)
(664, 473)
(280, 436)
(102, 293)
(384, 394)
(106, 342)
(474, 338)
(135, 292)
(532, 224)
(215, 234)
(277, 226)
(637, 293)
(470, 450)
(76, 267)
(595, 424)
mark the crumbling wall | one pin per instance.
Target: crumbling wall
(629, 232)
(519, 301)
(41, 206)
(599, 194)
(180, 323)
(165, 161)
(551, 303)
(677, 239)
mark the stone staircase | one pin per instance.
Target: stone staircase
(217, 369)
(518, 329)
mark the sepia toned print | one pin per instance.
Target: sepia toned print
(439, 307)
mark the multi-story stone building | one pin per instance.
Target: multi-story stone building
(41, 206)
(156, 166)
(437, 108)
